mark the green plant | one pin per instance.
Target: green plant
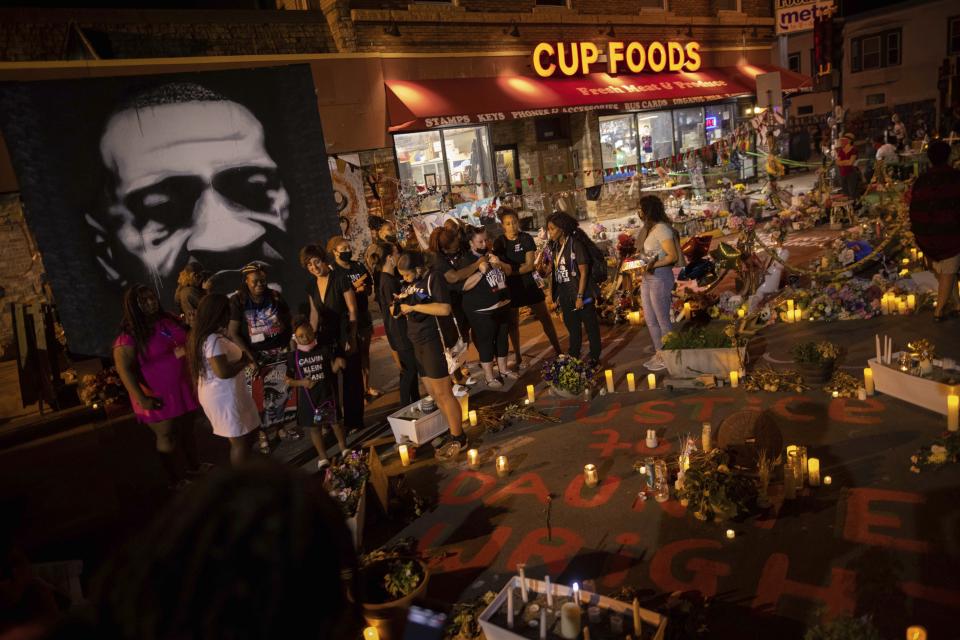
(701, 338)
(824, 352)
(568, 373)
(844, 628)
(713, 490)
(942, 450)
(391, 572)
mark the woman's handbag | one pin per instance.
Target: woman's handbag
(457, 354)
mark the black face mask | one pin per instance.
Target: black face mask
(391, 239)
(346, 255)
(480, 252)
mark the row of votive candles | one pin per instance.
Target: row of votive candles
(652, 380)
(890, 303)
(808, 471)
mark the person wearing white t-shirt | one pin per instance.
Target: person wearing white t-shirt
(660, 241)
(887, 153)
(217, 365)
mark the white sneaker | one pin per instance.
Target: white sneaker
(655, 363)
(322, 464)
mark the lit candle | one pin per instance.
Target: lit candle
(797, 315)
(570, 620)
(953, 411)
(911, 302)
(633, 317)
(521, 569)
(731, 534)
(919, 255)
(827, 480)
(905, 261)
(631, 382)
(813, 471)
(861, 394)
(637, 624)
(404, 455)
(473, 418)
(824, 262)
(686, 309)
(464, 407)
(576, 592)
(473, 458)
(503, 467)
(651, 381)
(790, 305)
(913, 254)
(705, 437)
(549, 592)
(370, 633)
(835, 394)
(531, 396)
(916, 633)
(734, 379)
(590, 476)
(510, 605)
(902, 307)
(608, 374)
(868, 380)
(741, 312)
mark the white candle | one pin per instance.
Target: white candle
(868, 381)
(686, 310)
(913, 254)
(741, 312)
(901, 307)
(464, 407)
(404, 455)
(731, 534)
(543, 624)
(790, 305)
(911, 302)
(473, 458)
(570, 620)
(827, 480)
(473, 418)
(637, 623)
(651, 381)
(861, 394)
(706, 437)
(835, 394)
(576, 592)
(549, 592)
(523, 580)
(503, 467)
(734, 379)
(813, 471)
(510, 605)
(953, 412)
(608, 374)
(590, 476)
(631, 382)
(633, 317)
(530, 394)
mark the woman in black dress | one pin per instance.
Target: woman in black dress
(388, 288)
(518, 250)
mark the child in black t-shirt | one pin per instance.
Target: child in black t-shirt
(311, 372)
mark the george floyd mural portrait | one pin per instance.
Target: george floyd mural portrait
(128, 179)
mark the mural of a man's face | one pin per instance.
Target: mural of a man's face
(191, 181)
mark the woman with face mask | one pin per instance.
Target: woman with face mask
(260, 323)
(661, 242)
(389, 287)
(446, 252)
(486, 302)
(363, 288)
(424, 299)
(149, 355)
(518, 250)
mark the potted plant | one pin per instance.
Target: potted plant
(703, 350)
(346, 482)
(391, 578)
(567, 376)
(816, 360)
(712, 490)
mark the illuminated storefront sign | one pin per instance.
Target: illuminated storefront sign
(794, 16)
(579, 58)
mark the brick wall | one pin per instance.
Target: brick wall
(20, 269)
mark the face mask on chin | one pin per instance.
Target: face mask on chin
(307, 347)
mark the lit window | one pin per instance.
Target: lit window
(420, 163)
(618, 146)
(468, 164)
(688, 128)
(655, 129)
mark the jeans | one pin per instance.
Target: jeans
(409, 380)
(656, 296)
(572, 319)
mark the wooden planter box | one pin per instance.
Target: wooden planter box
(493, 631)
(690, 363)
(922, 392)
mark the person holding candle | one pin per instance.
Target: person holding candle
(517, 250)
(422, 302)
(660, 240)
(311, 373)
(935, 222)
(572, 288)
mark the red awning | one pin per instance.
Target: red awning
(427, 104)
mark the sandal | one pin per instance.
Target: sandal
(289, 433)
(495, 383)
(264, 444)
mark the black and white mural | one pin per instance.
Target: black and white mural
(127, 179)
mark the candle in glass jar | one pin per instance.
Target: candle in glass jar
(953, 412)
(813, 472)
(473, 458)
(913, 254)
(651, 381)
(868, 381)
(590, 476)
(473, 418)
(404, 455)
(371, 633)
(734, 379)
(631, 382)
(686, 309)
(503, 467)
(531, 396)
(608, 374)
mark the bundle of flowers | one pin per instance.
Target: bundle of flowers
(104, 388)
(568, 374)
(816, 352)
(346, 480)
(712, 491)
(852, 299)
(701, 338)
(944, 449)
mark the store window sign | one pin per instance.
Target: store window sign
(710, 122)
(580, 58)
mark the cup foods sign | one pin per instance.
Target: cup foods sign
(794, 16)
(579, 58)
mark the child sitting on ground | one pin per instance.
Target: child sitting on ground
(311, 371)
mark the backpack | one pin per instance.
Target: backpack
(598, 261)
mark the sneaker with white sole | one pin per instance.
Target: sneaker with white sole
(495, 383)
(450, 446)
(655, 363)
(322, 464)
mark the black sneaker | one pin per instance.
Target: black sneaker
(450, 446)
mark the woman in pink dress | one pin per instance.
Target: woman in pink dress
(150, 357)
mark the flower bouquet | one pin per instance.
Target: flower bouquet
(816, 360)
(568, 376)
(346, 482)
(944, 449)
(712, 491)
(103, 389)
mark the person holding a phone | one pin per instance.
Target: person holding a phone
(661, 242)
(217, 364)
(149, 356)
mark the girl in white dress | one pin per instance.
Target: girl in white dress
(217, 365)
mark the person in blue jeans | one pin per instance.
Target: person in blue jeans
(571, 287)
(661, 242)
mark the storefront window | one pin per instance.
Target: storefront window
(688, 128)
(468, 164)
(618, 146)
(718, 121)
(420, 161)
(656, 135)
